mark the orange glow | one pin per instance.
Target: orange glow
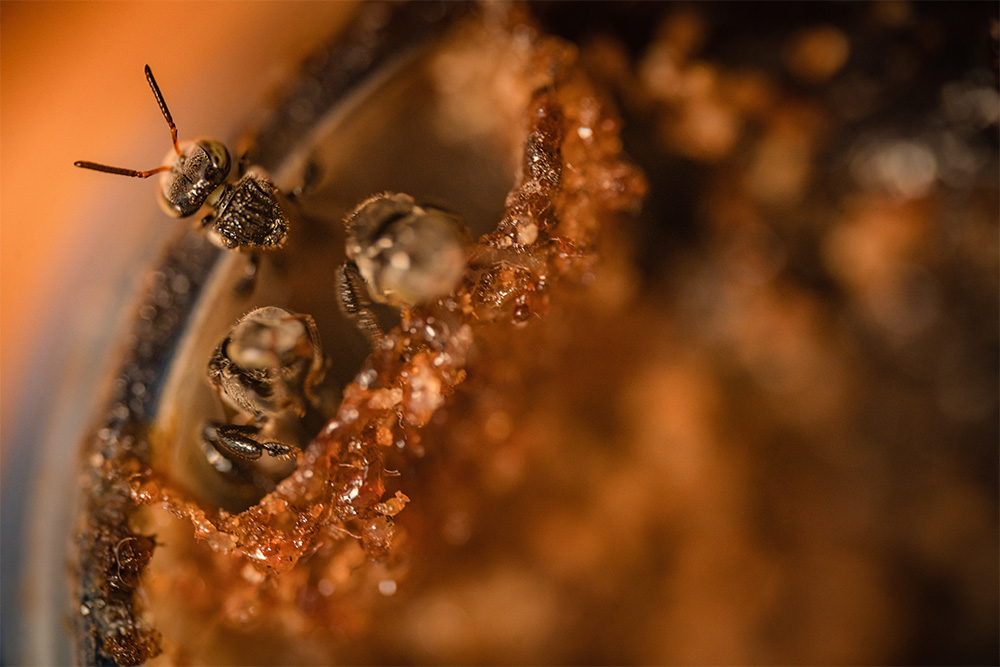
(73, 89)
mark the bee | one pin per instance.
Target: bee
(399, 253)
(242, 214)
(265, 370)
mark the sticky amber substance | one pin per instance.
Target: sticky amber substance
(324, 546)
(747, 425)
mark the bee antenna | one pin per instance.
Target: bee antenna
(164, 109)
(120, 170)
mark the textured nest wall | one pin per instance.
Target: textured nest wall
(721, 387)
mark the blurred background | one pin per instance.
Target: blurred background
(806, 414)
(783, 427)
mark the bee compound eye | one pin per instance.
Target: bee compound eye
(195, 174)
(219, 159)
(368, 224)
(269, 337)
(419, 258)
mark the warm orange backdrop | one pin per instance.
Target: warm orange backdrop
(72, 87)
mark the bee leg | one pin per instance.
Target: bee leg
(278, 450)
(237, 443)
(243, 163)
(312, 174)
(354, 303)
(248, 280)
